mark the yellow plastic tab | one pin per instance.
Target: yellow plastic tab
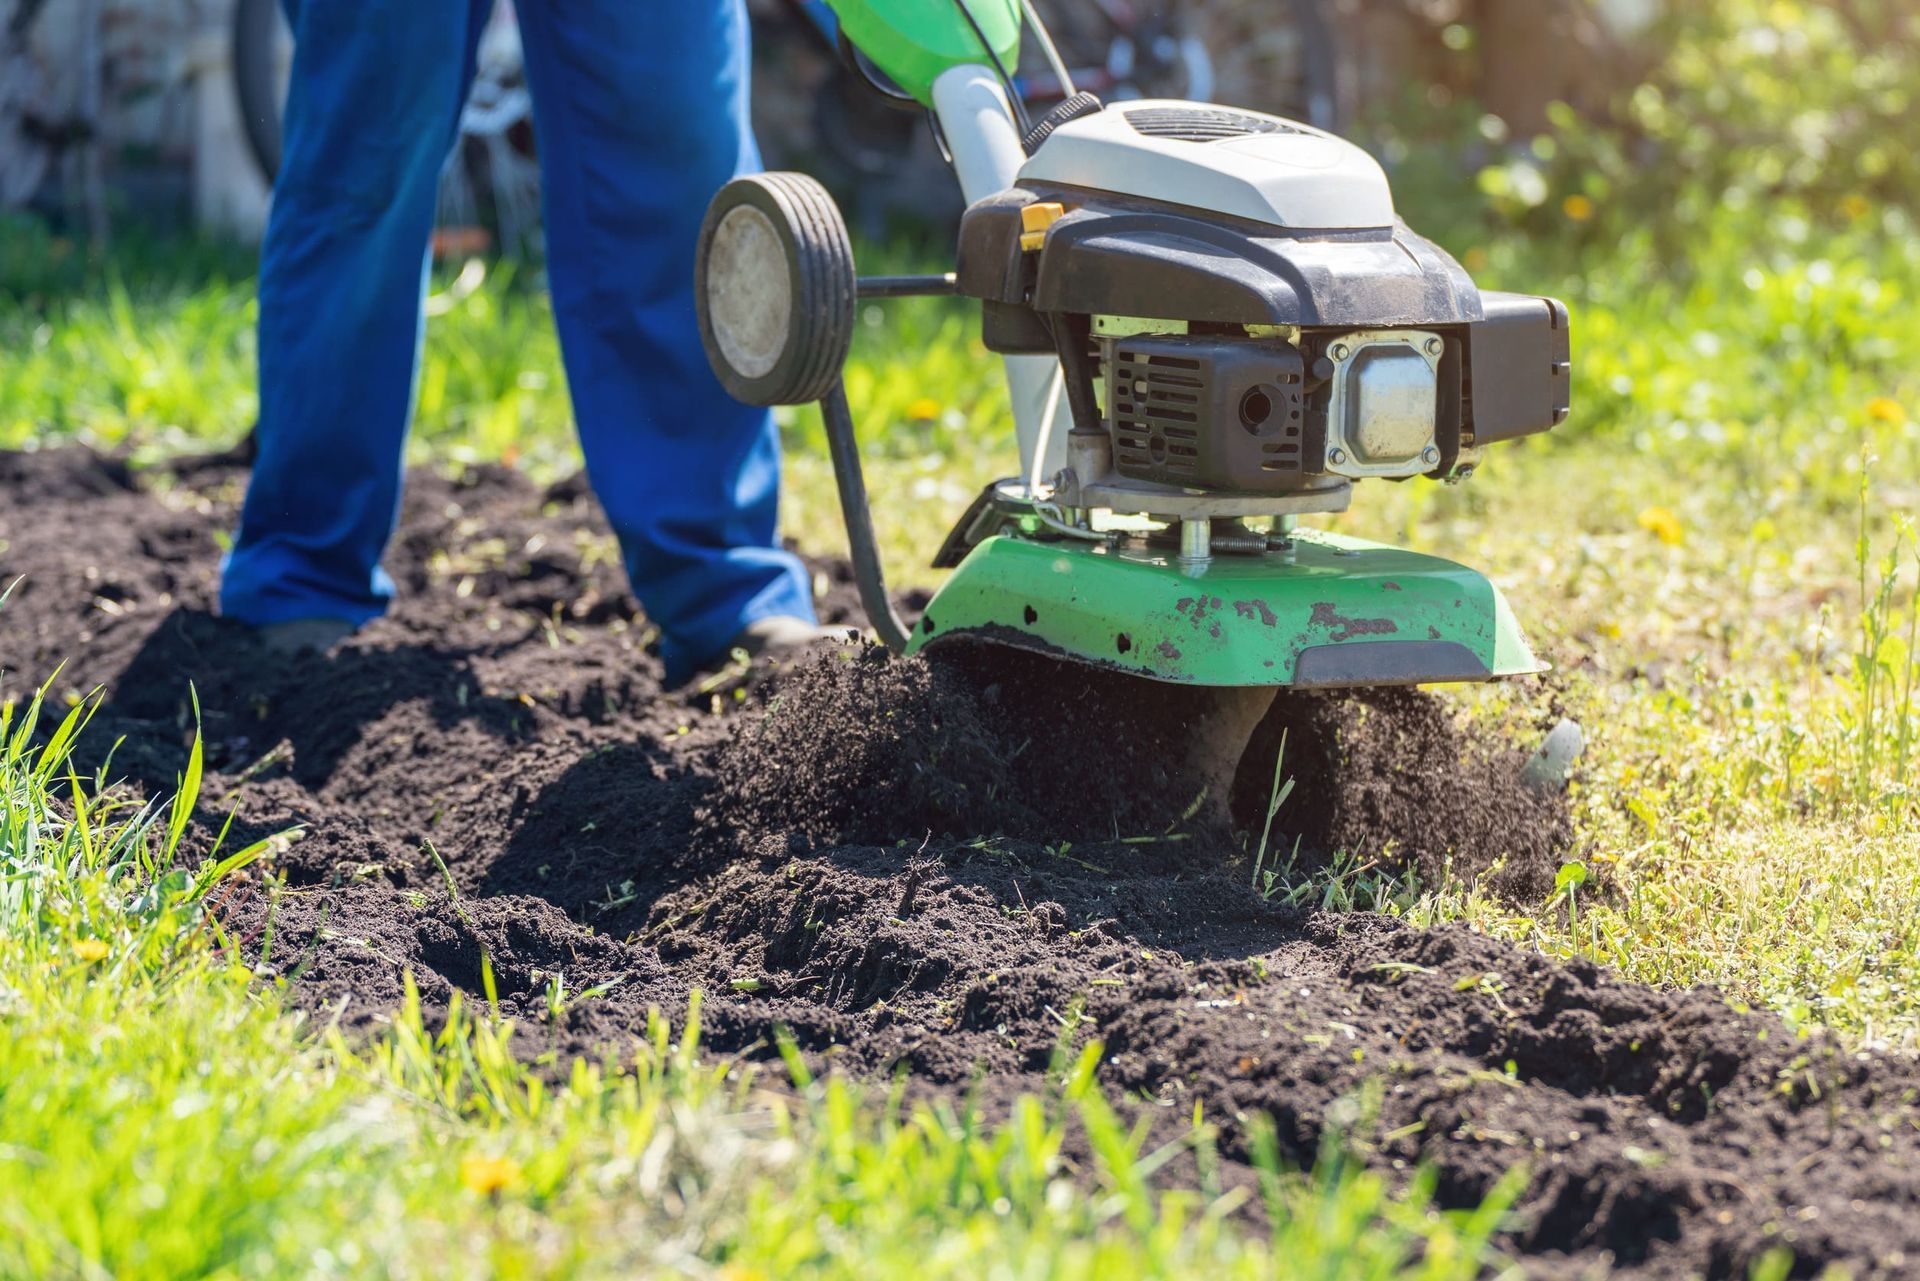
(1034, 221)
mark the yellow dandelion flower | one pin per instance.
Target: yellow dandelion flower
(1663, 525)
(1885, 409)
(486, 1175)
(923, 409)
(92, 949)
(1577, 207)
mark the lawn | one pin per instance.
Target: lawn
(1717, 553)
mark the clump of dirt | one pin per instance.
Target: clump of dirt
(507, 724)
(983, 740)
(1393, 775)
(974, 740)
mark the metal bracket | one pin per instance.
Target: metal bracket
(1119, 494)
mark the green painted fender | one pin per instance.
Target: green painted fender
(1333, 612)
(915, 41)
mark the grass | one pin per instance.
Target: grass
(1711, 551)
(1713, 554)
(1716, 552)
(162, 1115)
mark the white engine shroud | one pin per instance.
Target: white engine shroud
(1241, 163)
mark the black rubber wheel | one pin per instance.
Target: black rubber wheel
(256, 30)
(775, 289)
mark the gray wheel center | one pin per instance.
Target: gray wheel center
(749, 295)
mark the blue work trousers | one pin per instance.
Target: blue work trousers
(640, 113)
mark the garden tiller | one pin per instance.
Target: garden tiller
(1214, 323)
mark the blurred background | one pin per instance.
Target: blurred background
(165, 109)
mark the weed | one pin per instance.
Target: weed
(1276, 797)
(1880, 715)
(211, 1134)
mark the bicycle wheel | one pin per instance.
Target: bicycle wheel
(493, 181)
(259, 32)
(26, 155)
(1282, 57)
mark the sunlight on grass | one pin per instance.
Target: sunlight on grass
(164, 1118)
(1687, 551)
(1717, 554)
(1712, 551)
(1749, 806)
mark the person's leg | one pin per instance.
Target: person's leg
(372, 109)
(640, 107)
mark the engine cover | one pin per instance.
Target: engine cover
(1261, 320)
(1382, 403)
(1240, 163)
(1261, 415)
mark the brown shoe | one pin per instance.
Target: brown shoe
(784, 636)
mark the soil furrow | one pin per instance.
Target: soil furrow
(962, 867)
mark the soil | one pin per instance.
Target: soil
(952, 867)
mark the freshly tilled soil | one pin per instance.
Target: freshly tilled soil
(955, 867)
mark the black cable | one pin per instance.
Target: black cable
(999, 68)
(1071, 337)
(863, 547)
(1048, 49)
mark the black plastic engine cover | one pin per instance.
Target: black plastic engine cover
(1117, 256)
(1506, 372)
(1208, 413)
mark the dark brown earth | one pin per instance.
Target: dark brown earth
(951, 867)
